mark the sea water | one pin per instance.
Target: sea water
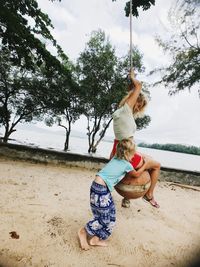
(51, 139)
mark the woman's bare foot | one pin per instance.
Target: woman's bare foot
(151, 201)
(82, 235)
(95, 241)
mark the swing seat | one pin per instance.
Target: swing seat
(132, 188)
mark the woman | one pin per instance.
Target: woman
(125, 127)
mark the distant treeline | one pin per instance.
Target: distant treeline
(173, 147)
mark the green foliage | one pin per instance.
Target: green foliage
(66, 108)
(174, 147)
(22, 27)
(142, 122)
(183, 47)
(98, 81)
(124, 62)
(24, 96)
(27, 96)
(144, 4)
(39, 82)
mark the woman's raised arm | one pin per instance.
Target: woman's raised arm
(135, 89)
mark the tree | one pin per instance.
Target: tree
(102, 79)
(23, 96)
(30, 76)
(145, 4)
(66, 108)
(23, 26)
(183, 47)
(96, 75)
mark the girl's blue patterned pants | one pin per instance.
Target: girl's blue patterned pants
(103, 209)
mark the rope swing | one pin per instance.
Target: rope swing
(128, 187)
(131, 39)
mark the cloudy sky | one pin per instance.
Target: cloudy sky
(174, 119)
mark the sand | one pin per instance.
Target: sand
(45, 205)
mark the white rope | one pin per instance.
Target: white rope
(131, 45)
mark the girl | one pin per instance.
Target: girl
(101, 201)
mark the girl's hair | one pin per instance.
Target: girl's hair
(125, 149)
(142, 100)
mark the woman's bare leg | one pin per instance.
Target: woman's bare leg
(154, 170)
(154, 173)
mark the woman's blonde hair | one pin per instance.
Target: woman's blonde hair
(142, 100)
(125, 149)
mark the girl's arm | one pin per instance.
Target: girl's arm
(146, 165)
(136, 173)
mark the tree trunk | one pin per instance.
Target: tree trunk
(66, 145)
(5, 138)
(7, 134)
(92, 148)
(102, 134)
(68, 131)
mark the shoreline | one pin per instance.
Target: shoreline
(33, 154)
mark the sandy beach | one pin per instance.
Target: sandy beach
(43, 206)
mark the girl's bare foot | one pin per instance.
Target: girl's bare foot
(82, 235)
(95, 241)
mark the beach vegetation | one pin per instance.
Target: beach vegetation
(187, 149)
